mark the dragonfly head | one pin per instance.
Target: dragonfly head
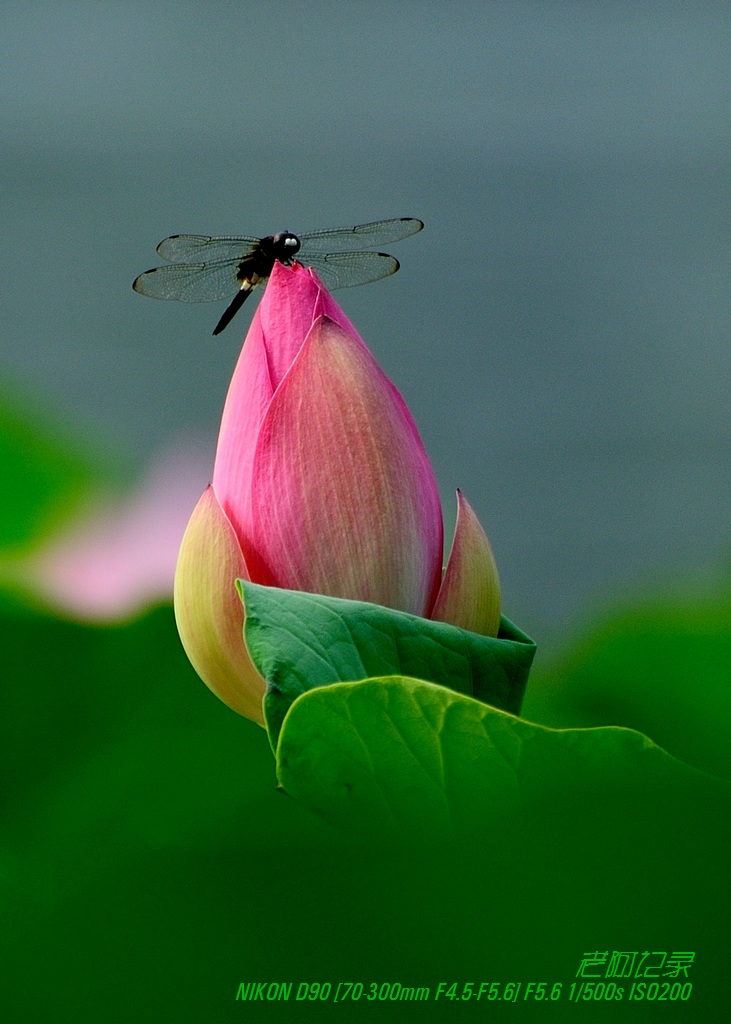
(285, 245)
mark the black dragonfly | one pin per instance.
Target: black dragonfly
(203, 268)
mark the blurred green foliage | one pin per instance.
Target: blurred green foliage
(44, 475)
(661, 665)
(148, 864)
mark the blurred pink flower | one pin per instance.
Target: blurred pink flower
(321, 483)
(120, 555)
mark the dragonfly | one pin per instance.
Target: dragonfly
(203, 268)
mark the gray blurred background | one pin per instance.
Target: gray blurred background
(560, 329)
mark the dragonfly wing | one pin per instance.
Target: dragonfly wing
(344, 269)
(205, 248)
(190, 282)
(378, 232)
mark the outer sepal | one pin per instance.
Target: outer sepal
(469, 596)
(208, 612)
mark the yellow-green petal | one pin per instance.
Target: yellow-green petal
(469, 596)
(209, 613)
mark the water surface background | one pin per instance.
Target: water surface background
(561, 328)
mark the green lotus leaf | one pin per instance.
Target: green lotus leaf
(301, 641)
(400, 756)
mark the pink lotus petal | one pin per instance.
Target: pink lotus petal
(209, 613)
(293, 299)
(346, 500)
(469, 596)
